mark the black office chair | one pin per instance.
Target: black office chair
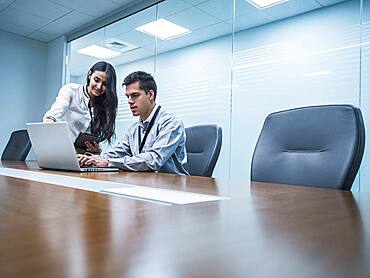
(18, 146)
(203, 145)
(319, 146)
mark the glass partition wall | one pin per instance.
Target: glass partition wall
(233, 62)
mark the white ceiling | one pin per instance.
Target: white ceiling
(207, 19)
(45, 20)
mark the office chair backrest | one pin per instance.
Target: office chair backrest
(203, 145)
(18, 146)
(319, 146)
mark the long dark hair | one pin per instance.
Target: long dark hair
(105, 105)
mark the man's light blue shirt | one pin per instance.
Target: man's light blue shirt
(164, 149)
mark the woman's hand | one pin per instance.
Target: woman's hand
(92, 147)
(49, 120)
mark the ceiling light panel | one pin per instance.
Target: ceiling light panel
(163, 29)
(264, 4)
(99, 52)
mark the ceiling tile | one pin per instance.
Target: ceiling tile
(98, 8)
(55, 17)
(169, 7)
(55, 28)
(6, 2)
(195, 2)
(2, 7)
(141, 18)
(41, 8)
(198, 18)
(330, 2)
(137, 38)
(16, 29)
(122, 2)
(42, 36)
(96, 37)
(72, 4)
(20, 18)
(292, 8)
(223, 10)
(91, 7)
(214, 31)
(74, 20)
(117, 28)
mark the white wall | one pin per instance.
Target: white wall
(22, 75)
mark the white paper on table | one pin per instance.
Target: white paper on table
(163, 195)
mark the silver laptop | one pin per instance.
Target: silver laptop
(54, 149)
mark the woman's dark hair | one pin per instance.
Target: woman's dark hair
(146, 81)
(105, 105)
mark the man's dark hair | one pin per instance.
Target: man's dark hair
(146, 81)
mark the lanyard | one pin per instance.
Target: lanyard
(151, 123)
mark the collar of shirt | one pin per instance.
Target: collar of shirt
(144, 124)
(86, 97)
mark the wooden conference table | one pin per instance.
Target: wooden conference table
(264, 230)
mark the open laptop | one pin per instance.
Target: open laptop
(54, 149)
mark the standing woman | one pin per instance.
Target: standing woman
(90, 108)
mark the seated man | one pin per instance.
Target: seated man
(155, 143)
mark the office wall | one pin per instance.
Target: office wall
(310, 59)
(22, 73)
(54, 78)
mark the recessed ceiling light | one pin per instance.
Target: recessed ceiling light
(99, 52)
(318, 73)
(264, 4)
(163, 29)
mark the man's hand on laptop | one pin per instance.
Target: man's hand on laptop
(93, 160)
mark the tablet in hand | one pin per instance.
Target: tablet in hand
(82, 137)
